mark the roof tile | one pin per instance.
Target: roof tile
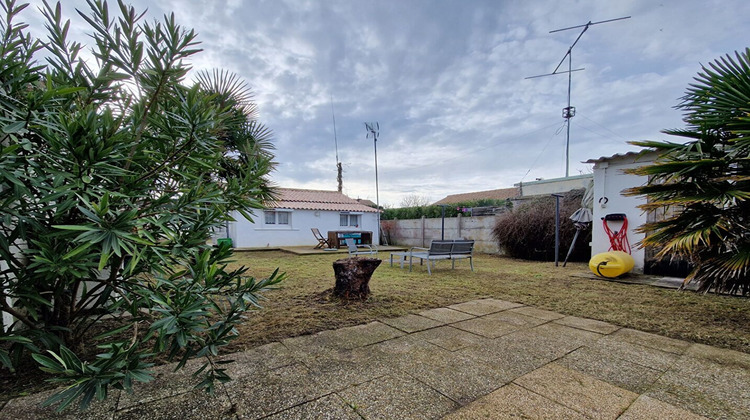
(299, 199)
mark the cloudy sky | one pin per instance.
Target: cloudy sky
(445, 80)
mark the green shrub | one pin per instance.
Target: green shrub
(434, 211)
(528, 231)
(112, 178)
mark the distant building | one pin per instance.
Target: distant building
(500, 194)
(287, 221)
(553, 185)
(610, 181)
(367, 202)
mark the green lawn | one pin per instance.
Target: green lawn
(303, 304)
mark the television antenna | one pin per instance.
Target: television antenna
(570, 111)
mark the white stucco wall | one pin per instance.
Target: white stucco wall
(609, 182)
(247, 234)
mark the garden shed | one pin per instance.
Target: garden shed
(610, 181)
(289, 220)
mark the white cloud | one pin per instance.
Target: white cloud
(445, 80)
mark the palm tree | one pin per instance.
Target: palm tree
(706, 179)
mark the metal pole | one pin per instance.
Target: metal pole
(557, 228)
(442, 226)
(567, 138)
(377, 191)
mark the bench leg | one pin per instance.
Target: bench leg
(428, 268)
(471, 262)
(392, 260)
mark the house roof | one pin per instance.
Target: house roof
(620, 156)
(500, 194)
(366, 202)
(299, 199)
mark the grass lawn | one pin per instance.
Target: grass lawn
(303, 303)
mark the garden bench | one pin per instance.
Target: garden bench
(443, 250)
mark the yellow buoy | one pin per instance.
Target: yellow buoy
(611, 264)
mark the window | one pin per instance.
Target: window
(273, 217)
(347, 219)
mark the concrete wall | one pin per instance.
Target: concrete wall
(609, 182)
(420, 232)
(248, 234)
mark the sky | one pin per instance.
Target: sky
(446, 82)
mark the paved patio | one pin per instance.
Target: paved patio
(484, 359)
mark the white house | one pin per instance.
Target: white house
(609, 183)
(289, 220)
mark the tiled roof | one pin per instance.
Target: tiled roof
(501, 194)
(298, 199)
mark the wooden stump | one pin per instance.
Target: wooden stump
(353, 277)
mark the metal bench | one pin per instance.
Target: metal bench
(443, 250)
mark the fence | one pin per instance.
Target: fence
(420, 232)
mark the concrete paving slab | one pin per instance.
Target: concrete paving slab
(513, 402)
(411, 323)
(446, 316)
(193, 405)
(273, 391)
(565, 339)
(653, 341)
(515, 318)
(705, 387)
(364, 335)
(330, 407)
(166, 383)
(486, 327)
(646, 408)
(515, 354)
(485, 306)
(720, 356)
(450, 338)
(268, 356)
(537, 313)
(346, 368)
(610, 368)
(588, 324)
(582, 393)
(460, 377)
(307, 346)
(636, 353)
(394, 397)
(29, 408)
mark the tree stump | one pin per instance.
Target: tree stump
(353, 277)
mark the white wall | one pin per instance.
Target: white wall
(609, 182)
(245, 234)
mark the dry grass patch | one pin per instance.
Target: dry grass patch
(304, 304)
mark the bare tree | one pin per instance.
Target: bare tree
(415, 200)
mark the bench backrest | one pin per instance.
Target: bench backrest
(462, 247)
(440, 248)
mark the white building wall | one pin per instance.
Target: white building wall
(246, 234)
(609, 183)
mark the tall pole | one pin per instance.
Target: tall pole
(568, 115)
(374, 130)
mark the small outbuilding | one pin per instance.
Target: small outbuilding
(610, 181)
(289, 220)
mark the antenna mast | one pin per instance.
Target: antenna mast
(570, 111)
(339, 170)
(373, 129)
